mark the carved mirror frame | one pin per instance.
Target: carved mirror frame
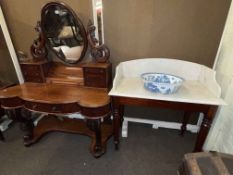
(41, 45)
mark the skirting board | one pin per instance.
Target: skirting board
(156, 124)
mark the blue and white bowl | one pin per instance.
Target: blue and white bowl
(162, 83)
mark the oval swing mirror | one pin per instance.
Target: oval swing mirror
(64, 32)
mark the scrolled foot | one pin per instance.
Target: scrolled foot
(27, 140)
(98, 151)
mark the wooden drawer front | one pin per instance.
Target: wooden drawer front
(94, 71)
(53, 108)
(33, 79)
(95, 81)
(31, 70)
(13, 102)
(32, 73)
(97, 112)
(94, 77)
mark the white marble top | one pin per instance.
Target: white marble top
(199, 87)
(189, 92)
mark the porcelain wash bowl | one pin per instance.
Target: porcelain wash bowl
(161, 83)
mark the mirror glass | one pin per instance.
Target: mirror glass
(64, 32)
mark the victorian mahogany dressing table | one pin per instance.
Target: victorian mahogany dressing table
(65, 87)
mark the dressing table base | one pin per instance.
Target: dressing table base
(97, 131)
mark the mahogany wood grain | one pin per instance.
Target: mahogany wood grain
(92, 103)
(35, 71)
(68, 75)
(205, 127)
(60, 89)
(97, 75)
(57, 94)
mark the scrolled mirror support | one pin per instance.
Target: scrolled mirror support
(38, 48)
(100, 53)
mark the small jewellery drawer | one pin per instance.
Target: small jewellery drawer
(33, 73)
(97, 75)
(94, 71)
(33, 79)
(53, 108)
(31, 70)
(91, 82)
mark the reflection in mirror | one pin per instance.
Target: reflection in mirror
(64, 32)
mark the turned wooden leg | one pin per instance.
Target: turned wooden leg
(185, 122)
(116, 123)
(205, 126)
(28, 126)
(95, 125)
(121, 112)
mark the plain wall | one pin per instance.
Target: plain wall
(183, 29)
(7, 70)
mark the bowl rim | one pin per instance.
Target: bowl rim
(164, 74)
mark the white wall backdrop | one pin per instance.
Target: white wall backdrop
(221, 135)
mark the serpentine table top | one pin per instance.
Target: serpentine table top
(56, 100)
(58, 94)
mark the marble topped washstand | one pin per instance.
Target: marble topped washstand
(199, 93)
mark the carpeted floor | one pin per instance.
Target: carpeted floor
(145, 152)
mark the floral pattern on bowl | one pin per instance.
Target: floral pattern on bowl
(162, 83)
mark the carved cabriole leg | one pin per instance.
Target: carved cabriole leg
(185, 122)
(95, 125)
(205, 126)
(116, 122)
(28, 126)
